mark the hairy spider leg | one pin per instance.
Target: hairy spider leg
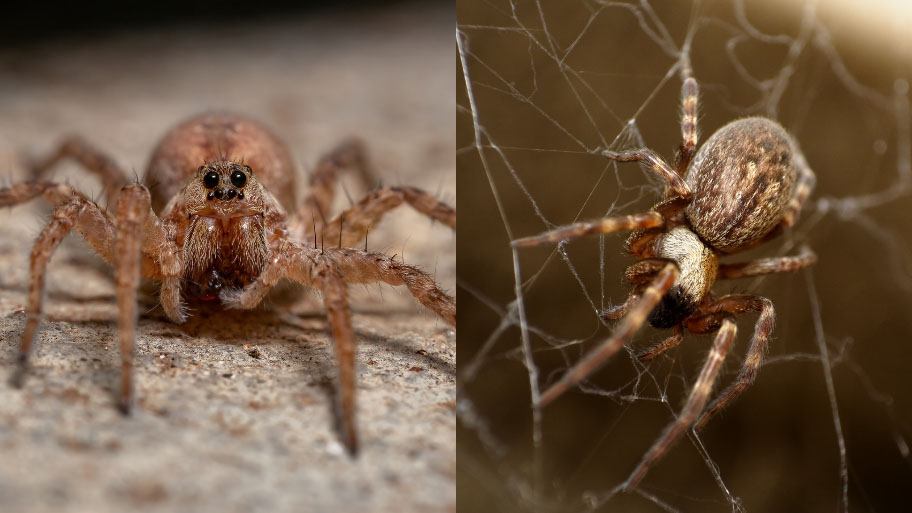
(78, 149)
(690, 92)
(696, 400)
(120, 245)
(763, 266)
(62, 221)
(642, 221)
(669, 343)
(618, 311)
(357, 266)
(72, 209)
(639, 274)
(656, 163)
(114, 179)
(734, 305)
(133, 209)
(806, 181)
(626, 329)
(329, 270)
(325, 275)
(350, 227)
(315, 208)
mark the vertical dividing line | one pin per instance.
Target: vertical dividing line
(831, 390)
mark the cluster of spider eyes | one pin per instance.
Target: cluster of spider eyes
(238, 180)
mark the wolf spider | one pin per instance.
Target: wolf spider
(744, 186)
(223, 188)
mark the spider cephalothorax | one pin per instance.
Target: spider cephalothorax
(744, 186)
(221, 235)
(220, 221)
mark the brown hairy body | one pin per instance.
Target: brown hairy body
(220, 226)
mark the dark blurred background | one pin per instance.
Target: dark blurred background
(31, 22)
(838, 82)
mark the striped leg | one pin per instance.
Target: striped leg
(626, 329)
(656, 163)
(806, 181)
(737, 304)
(604, 225)
(767, 266)
(694, 405)
(689, 94)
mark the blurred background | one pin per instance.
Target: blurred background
(542, 87)
(234, 412)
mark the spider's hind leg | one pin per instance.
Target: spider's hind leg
(94, 160)
(351, 227)
(315, 209)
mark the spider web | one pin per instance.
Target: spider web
(545, 87)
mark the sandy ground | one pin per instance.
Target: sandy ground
(234, 411)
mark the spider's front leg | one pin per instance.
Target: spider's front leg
(72, 210)
(642, 221)
(632, 322)
(132, 211)
(694, 405)
(329, 271)
(315, 269)
(355, 265)
(143, 248)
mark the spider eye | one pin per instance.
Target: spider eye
(211, 179)
(238, 179)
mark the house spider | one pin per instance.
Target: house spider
(224, 187)
(744, 186)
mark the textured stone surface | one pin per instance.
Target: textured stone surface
(234, 411)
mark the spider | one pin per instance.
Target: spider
(227, 231)
(744, 186)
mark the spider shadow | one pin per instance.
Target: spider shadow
(236, 328)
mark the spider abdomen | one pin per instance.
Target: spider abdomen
(742, 180)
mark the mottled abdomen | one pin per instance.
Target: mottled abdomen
(742, 179)
(214, 137)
